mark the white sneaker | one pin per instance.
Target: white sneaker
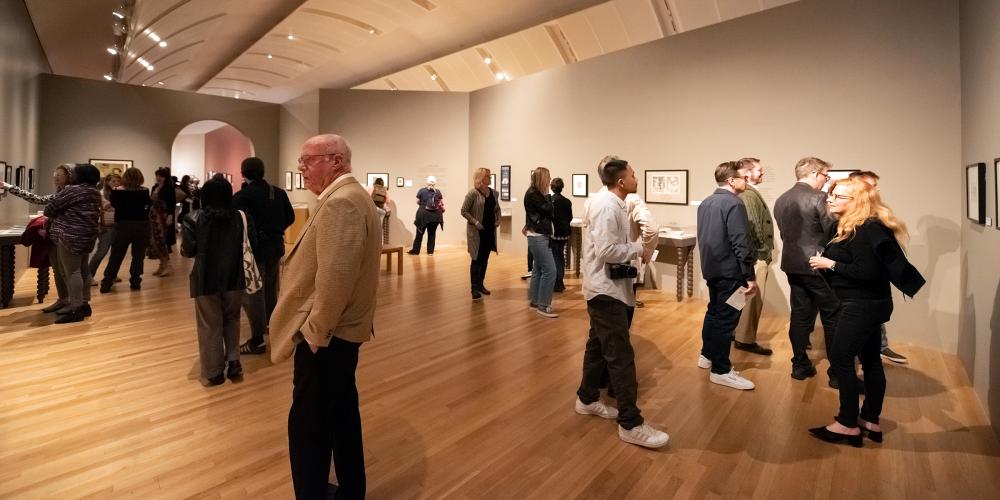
(704, 362)
(596, 408)
(731, 379)
(547, 311)
(643, 435)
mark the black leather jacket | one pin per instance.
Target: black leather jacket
(215, 239)
(538, 212)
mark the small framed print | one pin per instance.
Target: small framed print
(580, 185)
(399, 182)
(31, 179)
(836, 175)
(668, 187)
(111, 166)
(8, 172)
(996, 191)
(229, 178)
(288, 181)
(493, 181)
(299, 183)
(20, 177)
(975, 192)
(372, 177)
(504, 182)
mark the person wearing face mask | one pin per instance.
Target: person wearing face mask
(60, 178)
(864, 256)
(482, 210)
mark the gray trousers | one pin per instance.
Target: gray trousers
(218, 317)
(57, 273)
(101, 250)
(76, 272)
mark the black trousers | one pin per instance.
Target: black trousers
(610, 350)
(859, 335)
(809, 294)
(720, 322)
(559, 254)
(325, 419)
(127, 233)
(477, 270)
(418, 240)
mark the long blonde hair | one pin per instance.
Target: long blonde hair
(540, 179)
(478, 175)
(867, 204)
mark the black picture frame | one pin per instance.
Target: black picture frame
(666, 187)
(975, 192)
(996, 192)
(836, 175)
(299, 181)
(8, 172)
(504, 182)
(399, 182)
(20, 176)
(580, 185)
(289, 179)
(31, 179)
(375, 175)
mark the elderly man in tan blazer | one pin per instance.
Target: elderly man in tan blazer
(325, 310)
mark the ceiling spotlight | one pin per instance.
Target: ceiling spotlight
(149, 68)
(154, 36)
(131, 54)
(159, 83)
(291, 37)
(117, 14)
(371, 31)
(163, 44)
(237, 95)
(112, 51)
(434, 77)
(107, 77)
(269, 56)
(487, 60)
(500, 75)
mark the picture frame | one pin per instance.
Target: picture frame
(372, 177)
(493, 181)
(581, 185)
(504, 182)
(975, 192)
(8, 172)
(111, 166)
(229, 177)
(399, 182)
(289, 179)
(666, 187)
(299, 181)
(31, 179)
(996, 192)
(209, 174)
(836, 175)
(20, 177)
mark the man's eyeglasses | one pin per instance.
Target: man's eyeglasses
(305, 158)
(824, 174)
(841, 197)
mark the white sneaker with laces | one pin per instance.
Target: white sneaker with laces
(704, 362)
(643, 435)
(547, 311)
(731, 379)
(596, 408)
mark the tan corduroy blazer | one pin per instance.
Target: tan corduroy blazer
(330, 276)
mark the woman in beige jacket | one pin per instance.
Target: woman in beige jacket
(481, 209)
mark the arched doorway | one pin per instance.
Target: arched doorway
(207, 147)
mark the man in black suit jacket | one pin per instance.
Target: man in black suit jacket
(804, 222)
(272, 213)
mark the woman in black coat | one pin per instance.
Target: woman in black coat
(863, 257)
(538, 229)
(562, 215)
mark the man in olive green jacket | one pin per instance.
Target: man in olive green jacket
(762, 242)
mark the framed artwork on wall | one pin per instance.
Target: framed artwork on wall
(399, 182)
(836, 175)
(504, 182)
(8, 172)
(20, 177)
(493, 181)
(299, 183)
(111, 166)
(288, 181)
(229, 178)
(580, 185)
(668, 187)
(975, 192)
(996, 191)
(372, 177)
(31, 179)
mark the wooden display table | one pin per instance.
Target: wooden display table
(684, 248)
(388, 250)
(9, 239)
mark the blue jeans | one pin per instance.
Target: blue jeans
(543, 274)
(720, 322)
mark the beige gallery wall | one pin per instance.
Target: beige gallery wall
(860, 83)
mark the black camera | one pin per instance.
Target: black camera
(622, 271)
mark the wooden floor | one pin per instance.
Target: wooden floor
(460, 400)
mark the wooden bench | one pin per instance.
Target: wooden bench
(388, 250)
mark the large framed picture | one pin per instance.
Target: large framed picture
(299, 181)
(669, 187)
(580, 185)
(504, 182)
(372, 177)
(975, 192)
(289, 178)
(111, 166)
(836, 175)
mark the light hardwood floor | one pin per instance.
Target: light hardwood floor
(460, 400)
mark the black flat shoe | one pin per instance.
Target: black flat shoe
(803, 372)
(875, 436)
(234, 371)
(836, 437)
(87, 311)
(753, 348)
(73, 316)
(411, 252)
(219, 380)
(484, 291)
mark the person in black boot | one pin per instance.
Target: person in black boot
(482, 210)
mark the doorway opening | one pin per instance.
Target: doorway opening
(208, 147)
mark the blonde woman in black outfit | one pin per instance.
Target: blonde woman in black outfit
(862, 258)
(481, 209)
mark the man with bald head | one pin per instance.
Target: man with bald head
(325, 311)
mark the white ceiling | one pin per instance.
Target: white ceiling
(221, 47)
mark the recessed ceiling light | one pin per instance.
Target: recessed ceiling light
(163, 43)
(149, 68)
(154, 36)
(371, 31)
(117, 14)
(159, 83)
(112, 51)
(487, 60)
(434, 77)
(500, 75)
(291, 37)
(107, 77)
(269, 56)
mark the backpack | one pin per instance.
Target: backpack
(378, 195)
(434, 201)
